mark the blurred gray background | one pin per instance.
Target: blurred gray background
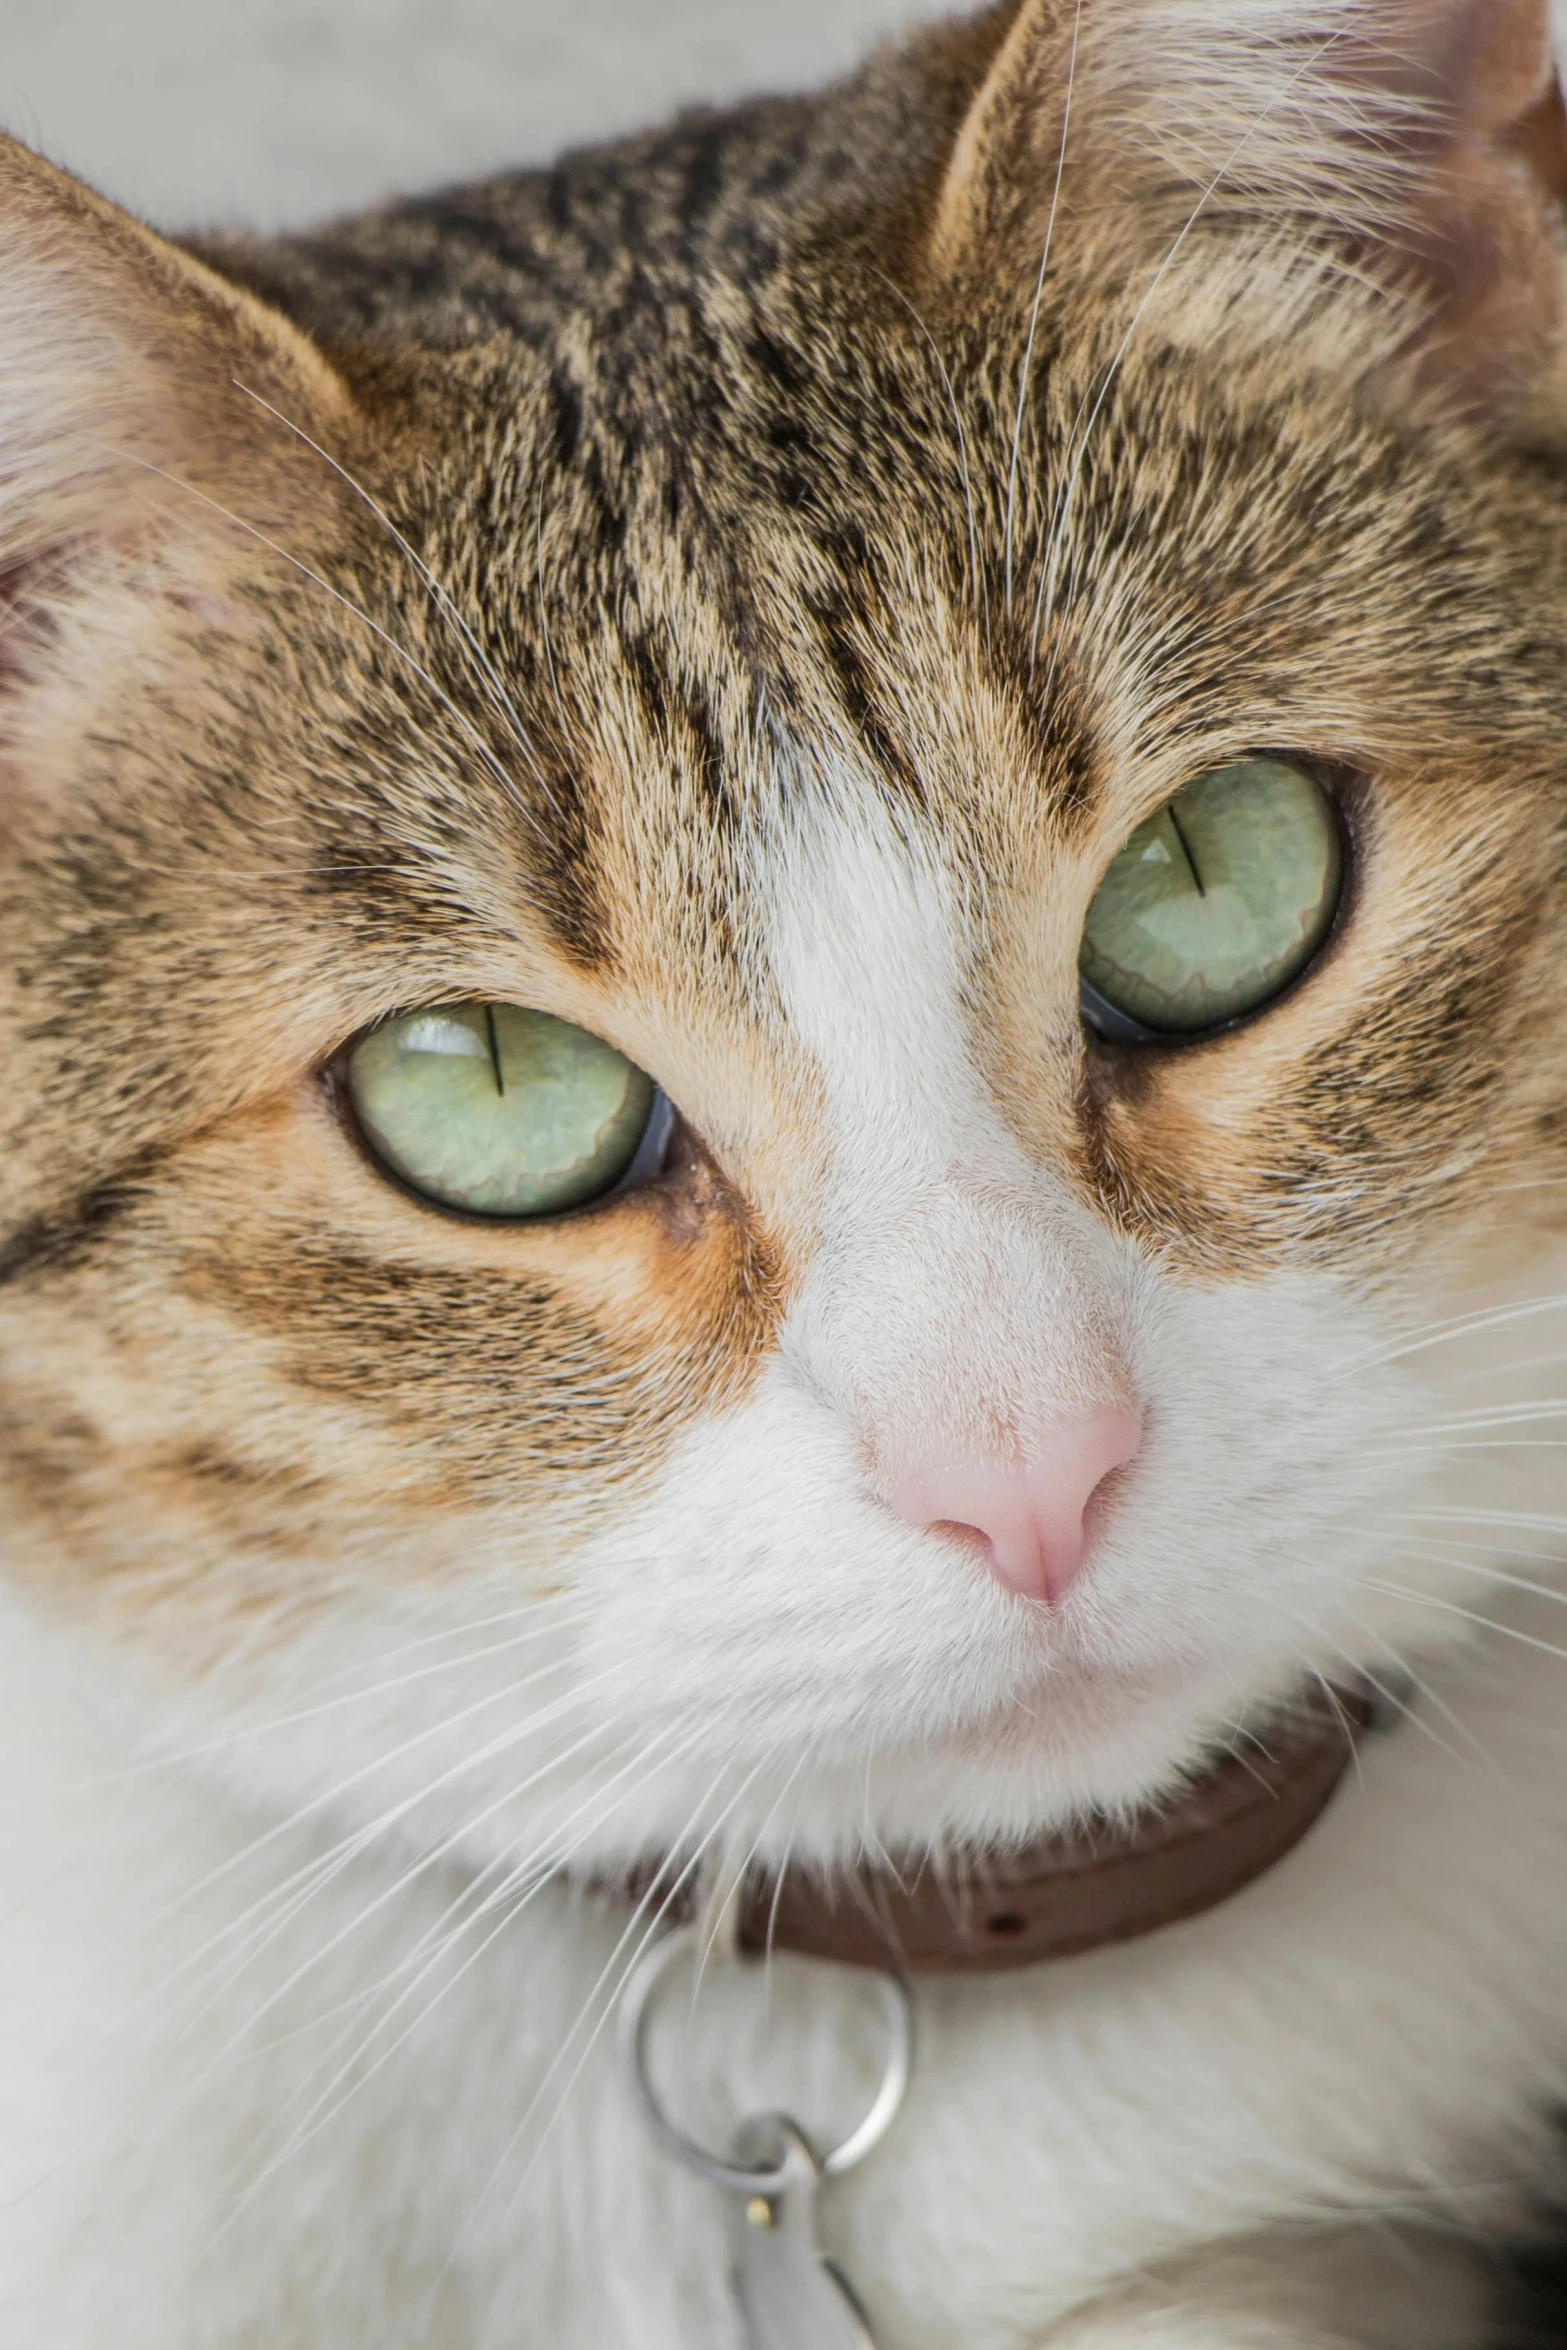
(277, 111)
(272, 112)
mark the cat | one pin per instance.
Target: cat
(783, 996)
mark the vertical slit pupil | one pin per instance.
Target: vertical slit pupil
(1186, 850)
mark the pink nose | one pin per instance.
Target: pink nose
(1032, 1518)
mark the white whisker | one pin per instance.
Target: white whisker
(692, 1866)
(248, 1733)
(1455, 1326)
(1497, 1575)
(399, 652)
(1530, 1520)
(664, 1904)
(1044, 600)
(1448, 1607)
(479, 660)
(325, 1801)
(523, 1882)
(385, 1895)
(957, 419)
(1026, 369)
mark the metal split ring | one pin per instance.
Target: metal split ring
(647, 1979)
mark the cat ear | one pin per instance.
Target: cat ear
(1414, 146)
(122, 432)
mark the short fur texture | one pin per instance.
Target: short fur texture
(737, 591)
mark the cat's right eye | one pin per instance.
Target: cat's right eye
(500, 1112)
(1215, 905)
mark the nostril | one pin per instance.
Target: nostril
(1030, 1522)
(1106, 1494)
(972, 1537)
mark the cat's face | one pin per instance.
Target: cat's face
(761, 668)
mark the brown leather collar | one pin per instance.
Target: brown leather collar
(1071, 1893)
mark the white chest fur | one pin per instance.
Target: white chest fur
(202, 2146)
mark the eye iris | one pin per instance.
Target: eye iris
(1219, 901)
(498, 1110)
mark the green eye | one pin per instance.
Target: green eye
(499, 1111)
(1218, 902)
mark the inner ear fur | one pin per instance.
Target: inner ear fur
(1415, 149)
(137, 479)
(121, 420)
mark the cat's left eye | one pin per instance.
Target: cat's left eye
(496, 1111)
(1216, 905)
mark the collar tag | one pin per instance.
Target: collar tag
(791, 2297)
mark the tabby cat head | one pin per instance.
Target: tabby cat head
(782, 920)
